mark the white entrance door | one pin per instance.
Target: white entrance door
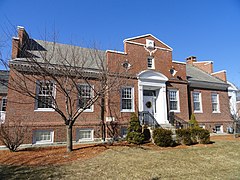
(149, 101)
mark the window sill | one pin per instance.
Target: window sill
(123, 111)
(85, 140)
(198, 112)
(44, 110)
(87, 110)
(175, 111)
(43, 142)
(216, 112)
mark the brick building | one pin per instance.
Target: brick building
(156, 88)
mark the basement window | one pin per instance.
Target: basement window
(43, 136)
(85, 134)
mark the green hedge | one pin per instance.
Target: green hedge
(135, 134)
(184, 136)
(193, 135)
(162, 137)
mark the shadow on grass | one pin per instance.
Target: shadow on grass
(92, 146)
(26, 172)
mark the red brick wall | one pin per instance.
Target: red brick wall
(183, 99)
(209, 118)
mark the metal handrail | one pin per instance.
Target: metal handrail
(145, 120)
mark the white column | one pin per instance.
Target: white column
(140, 97)
(164, 105)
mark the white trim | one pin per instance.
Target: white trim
(219, 72)
(156, 47)
(43, 141)
(36, 108)
(221, 128)
(110, 118)
(114, 51)
(200, 101)
(207, 62)
(153, 62)
(152, 80)
(91, 109)
(85, 139)
(133, 107)
(218, 104)
(178, 100)
(136, 37)
(179, 62)
(44, 110)
(20, 27)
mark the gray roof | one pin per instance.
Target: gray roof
(62, 54)
(196, 75)
(4, 75)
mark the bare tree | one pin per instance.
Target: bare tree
(60, 69)
(12, 136)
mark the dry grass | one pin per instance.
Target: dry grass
(220, 160)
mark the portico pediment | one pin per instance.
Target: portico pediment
(151, 75)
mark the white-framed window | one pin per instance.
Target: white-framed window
(43, 136)
(197, 102)
(85, 134)
(4, 104)
(215, 103)
(45, 94)
(219, 128)
(127, 99)
(85, 94)
(150, 63)
(173, 96)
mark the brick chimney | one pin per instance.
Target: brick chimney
(15, 47)
(18, 42)
(191, 60)
(220, 75)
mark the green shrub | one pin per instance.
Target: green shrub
(184, 136)
(135, 138)
(134, 125)
(193, 122)
(162, 137)
(135, 134)
(204, 136)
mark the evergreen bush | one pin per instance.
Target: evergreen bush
(184, 136)
(162, 137)
(193, 122)
(135, 134)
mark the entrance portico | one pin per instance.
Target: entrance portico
(152, 94)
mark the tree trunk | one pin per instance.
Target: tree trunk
(102, 118)
(69, 138)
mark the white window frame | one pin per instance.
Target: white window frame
(152, 62)
(132, 100)
(221, 128)
(37, 93)
(217, 103)
(200, 102)
(4, 104)
(85, 139)
(91, 108)
(43, 141)
(177, 99)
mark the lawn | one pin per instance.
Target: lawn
(220, 160)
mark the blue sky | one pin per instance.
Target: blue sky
(208, 29)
